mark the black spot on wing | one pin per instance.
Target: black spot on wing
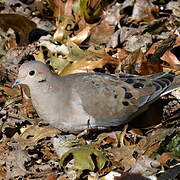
(138, 85)
(125, 103)
(128, 95)
(129, 81)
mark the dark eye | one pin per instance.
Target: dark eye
(31, 73)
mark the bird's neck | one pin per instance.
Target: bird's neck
(49, 85)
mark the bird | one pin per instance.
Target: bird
(75, 102)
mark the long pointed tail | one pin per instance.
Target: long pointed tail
(166, 83)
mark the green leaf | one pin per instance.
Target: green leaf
(85, 158)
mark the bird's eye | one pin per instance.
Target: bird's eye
(31, 73)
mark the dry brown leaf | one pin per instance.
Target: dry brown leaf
(13, 96)
(108, 138)
(9, 91)
(82, 35)
(146, 166)
(102, 33)
(39, 56)
(91, 59)
(83, 65)
(19, 23)
(153, 48)
(59, 8)
(178, 41)
(136, 62)
(164, 158)
(144, 10)
(2, 172)
(92, 178)
(63, 9)
(15, 162)
(68, 8)
(63, 178)
(63, 29)
(154, 139)
(171, 59)
(137, 131)
(124, 155)
(51, 177)
(27, 108)
(170, 69)
(33, 134)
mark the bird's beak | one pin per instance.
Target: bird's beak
(16, 83)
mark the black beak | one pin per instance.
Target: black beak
(17, 82)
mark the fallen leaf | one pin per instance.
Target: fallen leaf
(144, 10)
(63, 29)
(171, 59)
(166, 156)
(19, 23)
(137, 63)
(146, 166)
(33, 134)
(123, 156)
(83, 159)
(81, 36)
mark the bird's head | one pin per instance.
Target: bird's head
(32, 72)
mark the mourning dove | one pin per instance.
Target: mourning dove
(90, 100)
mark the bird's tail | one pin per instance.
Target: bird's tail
(174, 85)
(164, 83)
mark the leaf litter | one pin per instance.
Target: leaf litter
(135, 37)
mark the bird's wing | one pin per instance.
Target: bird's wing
(163, 83)
(112, 99)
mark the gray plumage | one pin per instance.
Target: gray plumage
(84, 100)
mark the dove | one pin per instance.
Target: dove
(75, 102)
